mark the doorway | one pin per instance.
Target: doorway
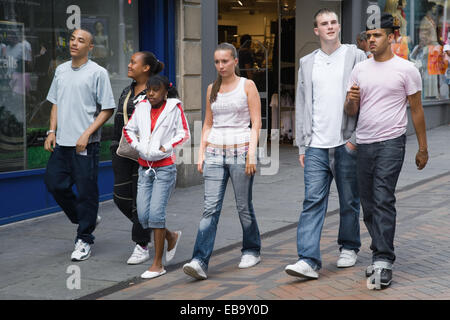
(272, 35)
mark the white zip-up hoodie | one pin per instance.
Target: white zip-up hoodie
(171, 129)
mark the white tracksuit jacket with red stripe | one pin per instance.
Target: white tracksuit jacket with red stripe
(171, 130)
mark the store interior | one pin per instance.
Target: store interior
(267, 56)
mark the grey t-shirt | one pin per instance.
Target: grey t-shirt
(80, 94)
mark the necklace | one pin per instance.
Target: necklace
(155, 112)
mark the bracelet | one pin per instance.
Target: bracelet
(423, 150)
(50, 131)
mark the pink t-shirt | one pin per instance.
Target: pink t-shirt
(384, 88)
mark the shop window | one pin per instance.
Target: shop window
(423, 40)
(34, 39)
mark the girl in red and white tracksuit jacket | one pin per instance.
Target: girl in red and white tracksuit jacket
(157, 126)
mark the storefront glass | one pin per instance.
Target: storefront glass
(422, 39)
(34, 39)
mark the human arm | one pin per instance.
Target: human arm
(299, 119)
(207, 125)
(50, 141)
(418, 118)
(102, 117)
(254, 106)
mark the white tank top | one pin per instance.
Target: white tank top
(231, 117)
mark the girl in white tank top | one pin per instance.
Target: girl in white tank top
(233, 104)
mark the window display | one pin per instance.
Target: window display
(34, 39)
(421, 39)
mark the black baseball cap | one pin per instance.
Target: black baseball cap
(387, 21)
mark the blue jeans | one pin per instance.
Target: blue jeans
(66, 168)
(154, 190)
(321, 165)
(379, 166)
(216, 172)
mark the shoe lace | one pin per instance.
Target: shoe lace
(138, 251)
(346, 254)
(84, 246)
(78, 244)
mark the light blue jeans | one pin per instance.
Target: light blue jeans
(216, 172)
(153, 192)
(321, 165)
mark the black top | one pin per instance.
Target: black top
(132, 102)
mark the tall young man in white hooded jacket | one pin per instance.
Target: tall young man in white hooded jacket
(326, 139)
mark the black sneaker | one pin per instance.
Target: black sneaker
(384, 280)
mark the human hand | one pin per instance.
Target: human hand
(82, 143)
(250, 165)
(354, 93)
(301, 159)
(50, 142)
(421, 159)
(351, 146)
(201, 158)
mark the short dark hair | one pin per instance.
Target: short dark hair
(91, 37)
(156, 81)
(245, 38)
(320, 12)
(362, 36)
(388, 31)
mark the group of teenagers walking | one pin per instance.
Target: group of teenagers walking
(350, 125)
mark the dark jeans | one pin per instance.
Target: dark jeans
(125, 191)
(379, 165)
(66, 168)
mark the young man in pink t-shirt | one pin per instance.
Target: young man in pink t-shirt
(380, 89)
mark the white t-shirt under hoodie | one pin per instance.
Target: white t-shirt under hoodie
(328, 99)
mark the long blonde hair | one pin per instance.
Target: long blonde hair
(391, 6)
(216, 85)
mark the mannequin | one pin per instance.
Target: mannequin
(400, 45)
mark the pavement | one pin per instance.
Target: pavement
(35, 254)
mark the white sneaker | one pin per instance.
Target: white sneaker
(347, 258)
(194, 270)
(82, 251)
(139, 255)
(248, 261)
(301, 269)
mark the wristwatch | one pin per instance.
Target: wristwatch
(50, 131)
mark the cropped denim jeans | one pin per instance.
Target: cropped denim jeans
(155, 187)
(216, 172)
(321, 166)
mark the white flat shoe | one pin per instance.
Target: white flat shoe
(170, 254)
(152, 274)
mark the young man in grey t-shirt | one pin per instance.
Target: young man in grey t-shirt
(82, 101)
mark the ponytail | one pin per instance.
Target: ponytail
(156, 66)
(216, 85)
